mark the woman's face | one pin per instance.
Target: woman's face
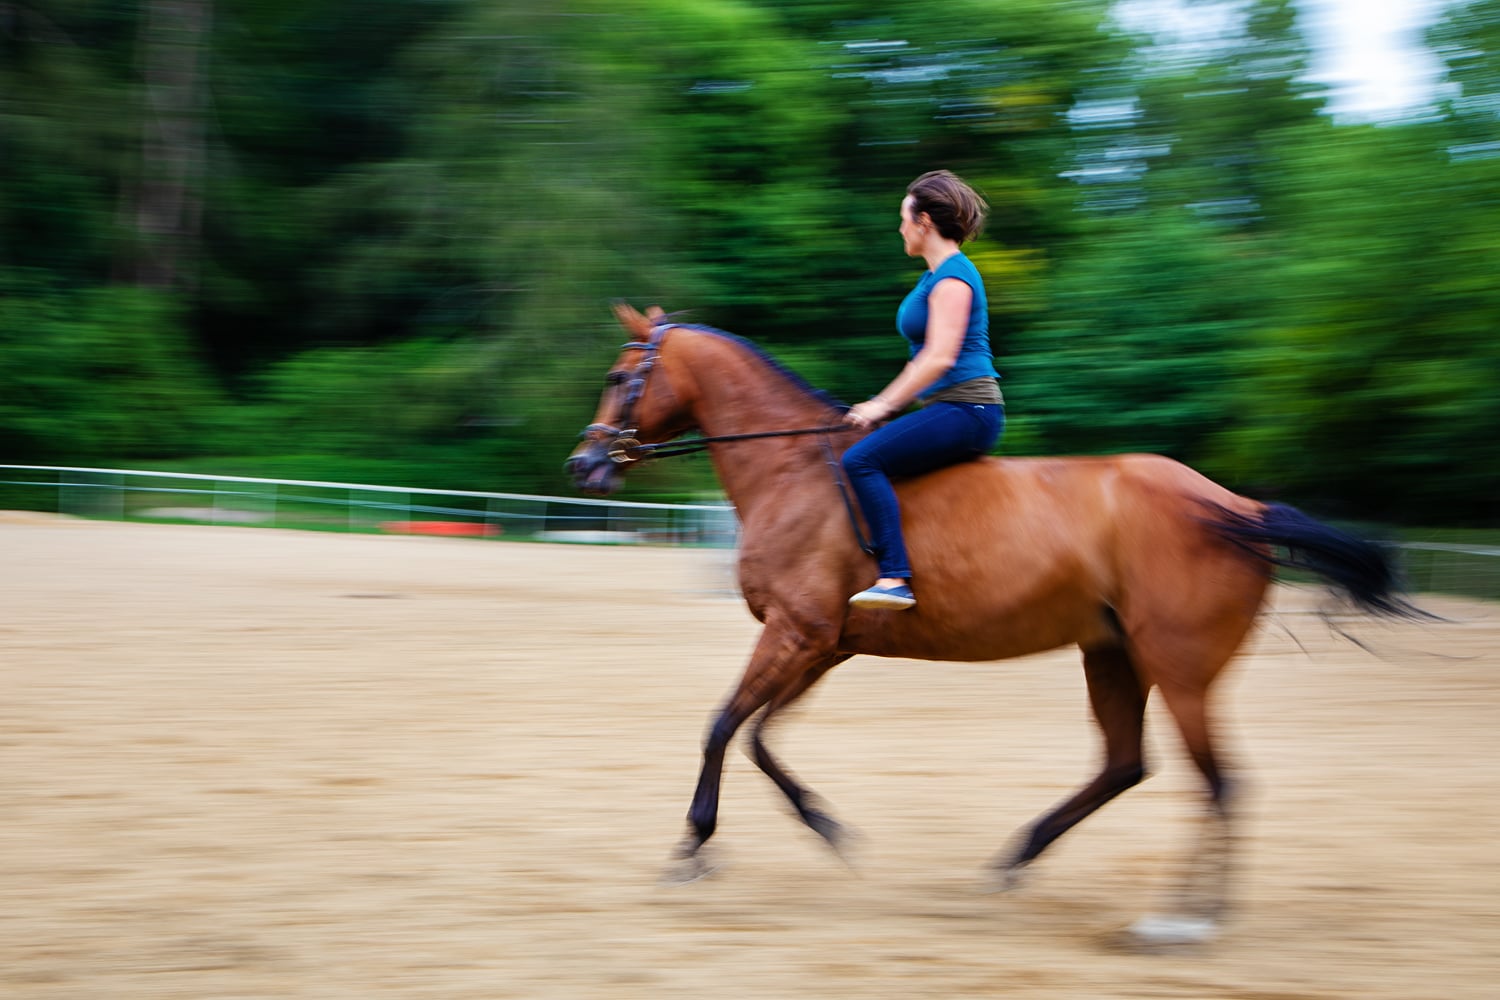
(912, 232)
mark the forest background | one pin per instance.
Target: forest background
(377, 242)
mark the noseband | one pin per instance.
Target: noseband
(626, 447)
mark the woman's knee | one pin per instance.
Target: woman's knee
(858, 461)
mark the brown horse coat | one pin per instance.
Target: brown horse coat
(1154, 571)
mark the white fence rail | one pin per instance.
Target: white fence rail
(178, 496)
(137, 494)
(1440, 567)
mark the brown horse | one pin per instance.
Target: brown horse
(1153, 571)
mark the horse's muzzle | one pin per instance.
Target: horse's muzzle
(592, 470)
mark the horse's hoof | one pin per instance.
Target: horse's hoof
(824, 826)
(844, 841)
(998, 878)
(1158, 931)
(688, 867)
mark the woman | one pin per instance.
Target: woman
(945, 321)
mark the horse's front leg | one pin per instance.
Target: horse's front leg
(808, 806)
(783, 655)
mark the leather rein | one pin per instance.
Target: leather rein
(626, 447)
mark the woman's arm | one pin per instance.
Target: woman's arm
(948, 307)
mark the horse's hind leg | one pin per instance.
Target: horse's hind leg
(809, 807)
(1117, 695)
(1183, 664)
(1202, 892)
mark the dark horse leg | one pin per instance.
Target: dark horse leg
(1118, 697)
(809, 808)
(783, 657)
(1183, 672)
(1202, 892)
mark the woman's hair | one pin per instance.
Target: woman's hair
(955, 209)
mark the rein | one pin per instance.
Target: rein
(626, 447)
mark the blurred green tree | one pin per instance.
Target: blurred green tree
(101, 373)
(392, 230)
(64, 137)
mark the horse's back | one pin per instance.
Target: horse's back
(1017, 555)
(1079, 504)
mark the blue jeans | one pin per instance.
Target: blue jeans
(937, 435)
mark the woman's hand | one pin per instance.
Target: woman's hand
(869, 413)
(949, 302)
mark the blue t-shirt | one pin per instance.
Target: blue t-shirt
(974, 358)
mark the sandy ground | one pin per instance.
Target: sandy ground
(254, 763)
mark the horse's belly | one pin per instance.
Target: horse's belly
(927, 633)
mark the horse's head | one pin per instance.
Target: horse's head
(637, 407)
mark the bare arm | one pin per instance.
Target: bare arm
(948, 308)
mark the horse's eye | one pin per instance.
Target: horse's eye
(615, 378)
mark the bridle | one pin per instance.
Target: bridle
(626, 447)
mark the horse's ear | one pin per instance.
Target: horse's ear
(654, 312)
(638, 326)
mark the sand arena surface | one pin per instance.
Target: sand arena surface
(246, 763)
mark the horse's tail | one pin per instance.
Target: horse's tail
(1362, 570)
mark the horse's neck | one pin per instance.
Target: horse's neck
(738, 392)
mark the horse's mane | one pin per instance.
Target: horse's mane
(802, 385)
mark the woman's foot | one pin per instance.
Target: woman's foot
(889, 594)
